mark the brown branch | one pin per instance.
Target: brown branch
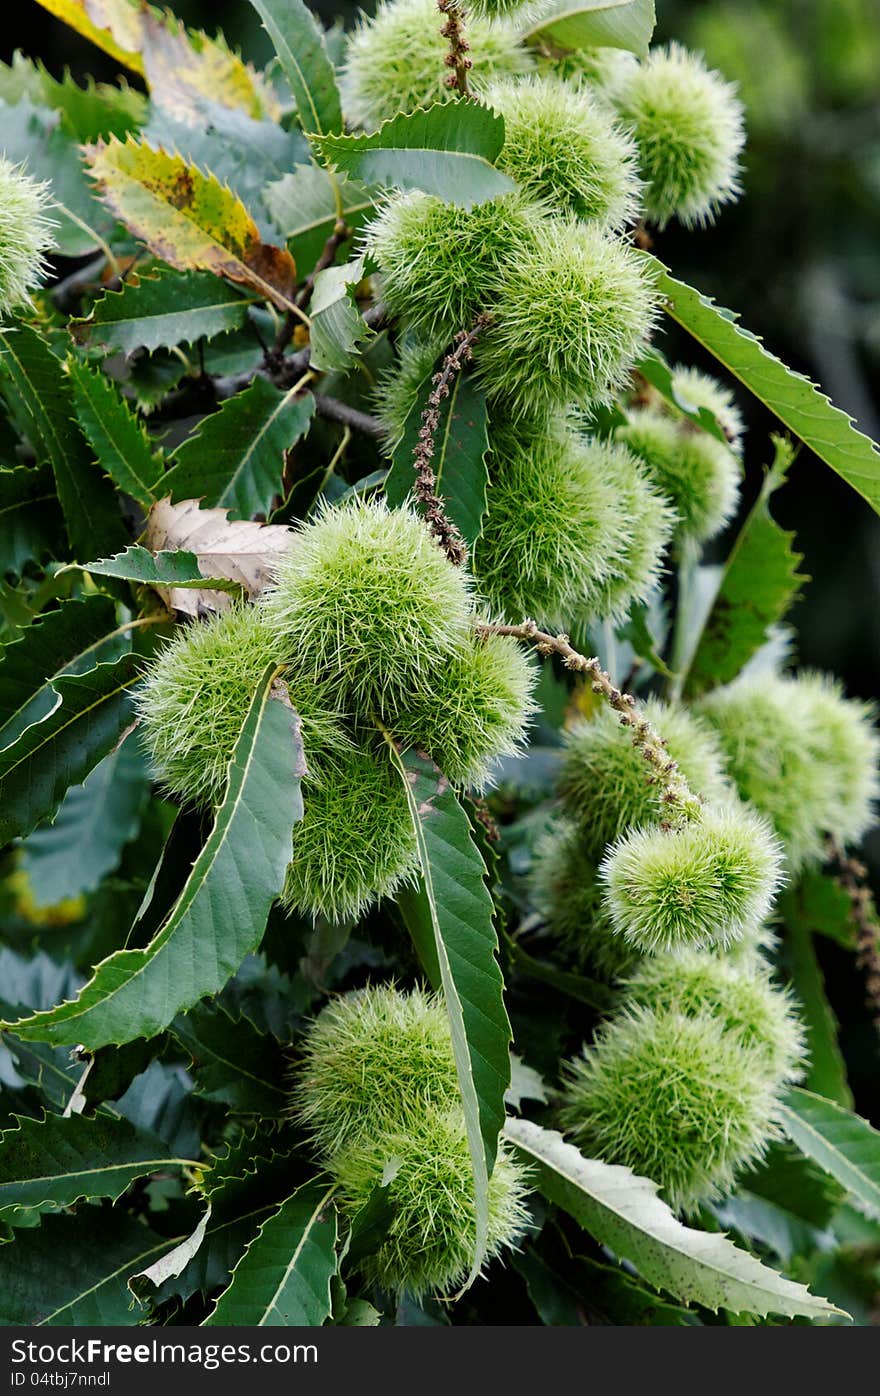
(457, 57)
(852, 876)
(436, 517)
(680, 801)
(336, 411)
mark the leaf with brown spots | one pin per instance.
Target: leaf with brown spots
(236, 550)
(188, 218)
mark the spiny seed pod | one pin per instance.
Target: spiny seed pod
(699, 475)
(567, 893)
(565, 148)
(395, 61)
(355, 842)
(603, 70)
(429, 1243)
(195, 697)
(697, 389)
(603, 781)
(398, 388)
(366, 603)
(571, 315)
(688, 126)
(475, 711)
(573, 528)
(706, 883)
(25, 235)
(371, 1061)
(802, 754)
(675, 1098)
(847, 743)
(742, 998)
(438, 261)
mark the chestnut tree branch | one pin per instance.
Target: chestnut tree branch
(679, 800)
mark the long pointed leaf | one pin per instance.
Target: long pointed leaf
(41, 401)
(236, 458)
(843, 1144)
(299, 43)
(69, 640)
(624, 1213)
(121, 446)
(90, 715)
(221, 913)
(460, 908)
(72, 1270)
(55, 1161)
(284, 1276)
(461, 444)
(805, 410)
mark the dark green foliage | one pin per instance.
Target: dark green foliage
(330, 888)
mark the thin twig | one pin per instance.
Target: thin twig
(436, 517)
(852, 876)
(680, 801)
(341, 232)
(457, 57)
(336, 411)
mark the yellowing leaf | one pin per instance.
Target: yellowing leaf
(188, 218)
(237, 550)
(114, 25)
(179, 65)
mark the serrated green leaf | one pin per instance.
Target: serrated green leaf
(447, 150)
(40, 398)
(221, 913)
(96, 820)
(624, 1213)
(121, 446)
(235, 459)
(70, 640)
(303, 205)
(162, 569)
(89, 112)
(459, 909)
(841, 1143)
(299, 43)
(31, 525)
(459, 463)
(72, 1270)
(284, 1276)
(825, 1068)
(50, 756)
(163, 311)
(55, 1161)
(337, 324)
(188, 218)
(232, 1061)
(757, 585)
(582, 24)
(805, 410)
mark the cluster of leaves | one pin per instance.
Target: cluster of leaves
(197, 379)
